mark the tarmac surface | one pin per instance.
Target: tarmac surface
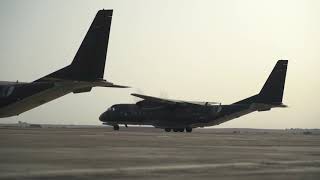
(148, 153)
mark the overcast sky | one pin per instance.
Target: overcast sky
(206, 50)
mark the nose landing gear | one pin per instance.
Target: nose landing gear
(116, 127)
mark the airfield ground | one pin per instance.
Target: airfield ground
(148, 153)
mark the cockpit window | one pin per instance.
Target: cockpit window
(112, 109)
(6, 91)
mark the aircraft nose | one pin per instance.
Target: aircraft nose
(102, 117)
(105, 117)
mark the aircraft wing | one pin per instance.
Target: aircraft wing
(171, 101)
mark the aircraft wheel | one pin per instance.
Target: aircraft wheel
(167, 129)
(116, 127)
(181, 130)
(175, 130)
(189, 129)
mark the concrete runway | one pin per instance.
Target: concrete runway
(148, 153)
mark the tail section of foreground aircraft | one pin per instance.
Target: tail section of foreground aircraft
(89, 62)
(180, 115)
(85, 71)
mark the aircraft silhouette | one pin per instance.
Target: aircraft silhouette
(180, 115)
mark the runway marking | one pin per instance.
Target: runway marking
(90, 171)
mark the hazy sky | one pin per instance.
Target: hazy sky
(207, 50)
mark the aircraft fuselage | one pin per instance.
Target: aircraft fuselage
(176, 117)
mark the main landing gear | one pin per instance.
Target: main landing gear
(188, 129)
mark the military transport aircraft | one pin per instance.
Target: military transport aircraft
(85, 71)
(184, 115)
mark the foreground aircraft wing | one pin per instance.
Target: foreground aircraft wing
(171, 101)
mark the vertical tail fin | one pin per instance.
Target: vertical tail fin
(89, 62)
(272, 91)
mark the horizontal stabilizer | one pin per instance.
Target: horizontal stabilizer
(82, 90)
(118, 86)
